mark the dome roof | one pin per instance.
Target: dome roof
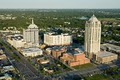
(93, 19)
(32, 25)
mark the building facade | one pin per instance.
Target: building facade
(74, 58)
(105, 57)
(92, 36)
(16, 41)
(52, 39)
(31, 34)
(31, 52)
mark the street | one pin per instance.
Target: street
(27, 71)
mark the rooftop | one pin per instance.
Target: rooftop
(8, 67)
(56, 33)
(111, 47)
(105, 54)
(75, 51)
(17, 37)
(29, 50)
(5, 77)
(93, 19)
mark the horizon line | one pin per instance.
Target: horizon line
(59, 8)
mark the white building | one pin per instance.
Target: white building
(16, 41)
(31, 34)
(92, 36)
(7, 68)
(31, 52)
(52, 39)
(5, 77)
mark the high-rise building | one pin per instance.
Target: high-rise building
(31, 35)
(92, 37)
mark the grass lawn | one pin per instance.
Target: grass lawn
(117, 76)
(89, 65)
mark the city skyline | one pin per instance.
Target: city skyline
(62, 4)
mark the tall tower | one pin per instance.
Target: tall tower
(92, 37)
(31, 34)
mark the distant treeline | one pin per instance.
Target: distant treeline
(54, 17)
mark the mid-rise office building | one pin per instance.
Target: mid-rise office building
(52, 39)
(31, 34)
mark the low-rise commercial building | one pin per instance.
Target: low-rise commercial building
(16, 41)
(106, 57)
(5, 77)
(1, 51)
(52, 39)
(57, 52)
(31, 52)
(49, 50)
(74, 58)
(48, 70)
(111, 48)
(7, 68)
(3, 56)
(42, 60)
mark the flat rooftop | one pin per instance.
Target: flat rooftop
(105, 54)
(111, 47)
(17, 37)
(75, 51)
(56, 33)
(29, 50)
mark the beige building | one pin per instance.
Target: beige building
(31, 52)
(42, 60)
(16, 41)
(31, 34)
(52, 39)
(3, 56)
(92, 36)
(106, 57)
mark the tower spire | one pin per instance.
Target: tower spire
(32, 21)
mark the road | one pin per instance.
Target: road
(88, 72)
(24, 67)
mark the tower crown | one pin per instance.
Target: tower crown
(32, 25)
(93, 19)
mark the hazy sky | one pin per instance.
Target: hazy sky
(59, 3)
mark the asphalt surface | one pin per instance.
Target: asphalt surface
(88, 72)
(27, 71)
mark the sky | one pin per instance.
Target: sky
(60, 4)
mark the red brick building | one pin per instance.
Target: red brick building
(74, 59)
(57, 53)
